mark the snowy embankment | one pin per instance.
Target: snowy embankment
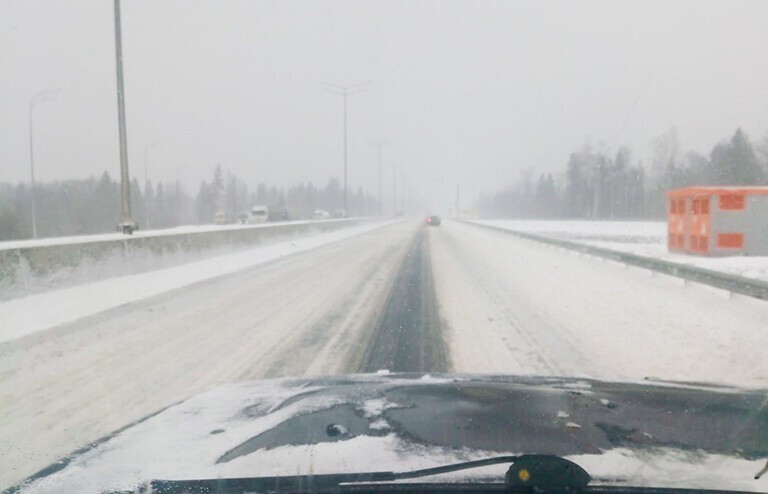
(22, 316)
(642, 238)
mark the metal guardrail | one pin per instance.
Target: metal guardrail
(717, 279)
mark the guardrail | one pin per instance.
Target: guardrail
(26, 270)
(717, 279)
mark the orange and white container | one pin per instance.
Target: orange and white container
(718, 221)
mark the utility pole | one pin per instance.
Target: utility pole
(37, 98)
(344, 92)
(126, 225)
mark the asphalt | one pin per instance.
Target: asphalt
(408, 336)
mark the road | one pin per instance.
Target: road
(405, 297)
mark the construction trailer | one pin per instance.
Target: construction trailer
(718, 221)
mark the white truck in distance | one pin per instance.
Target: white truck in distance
(321, 214)
(257, 214)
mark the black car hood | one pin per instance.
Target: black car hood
(646, 433)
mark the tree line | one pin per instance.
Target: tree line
(92, 205)
(597, 184)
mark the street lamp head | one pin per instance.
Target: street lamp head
(41, 96)
(346, 90)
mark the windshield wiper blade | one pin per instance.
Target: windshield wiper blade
(546, 473)
(311, 483)
(534, 474)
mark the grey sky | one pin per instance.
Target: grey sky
(464, 92)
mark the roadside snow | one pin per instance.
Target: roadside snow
(26, 315)
(643, 238)
(651, 232)
(517, 306)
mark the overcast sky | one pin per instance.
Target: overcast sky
(463, 92)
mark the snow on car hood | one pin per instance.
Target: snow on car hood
(631, 433)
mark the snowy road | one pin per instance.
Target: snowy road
(518, 306)
(458, 298)
(306, 314)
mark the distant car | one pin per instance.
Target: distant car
(278, 214)
(257, 214)
(433, 220)
(321, 214)
(220, 218)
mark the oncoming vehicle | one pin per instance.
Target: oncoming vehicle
(257, 214)
(321, 214)
(220, 218)
(278, 214)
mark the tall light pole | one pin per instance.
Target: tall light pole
(36, 99)
(126, 225)
(344, 92)
(147, 148)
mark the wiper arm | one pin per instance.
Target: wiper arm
(455, 467)
(310, 483)
(531, 474)
(544, 473)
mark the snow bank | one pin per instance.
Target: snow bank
(643, 238)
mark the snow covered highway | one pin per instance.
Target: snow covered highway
(401, 296)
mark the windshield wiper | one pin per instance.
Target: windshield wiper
(535, 474)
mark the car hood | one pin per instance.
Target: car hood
(633, 433)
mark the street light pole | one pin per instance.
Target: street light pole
(346, 190)
(344, 92)
(37, 98)
(126, 225)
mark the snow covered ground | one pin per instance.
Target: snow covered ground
(644, 238)
(513, 305)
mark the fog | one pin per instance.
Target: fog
(462, 93)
